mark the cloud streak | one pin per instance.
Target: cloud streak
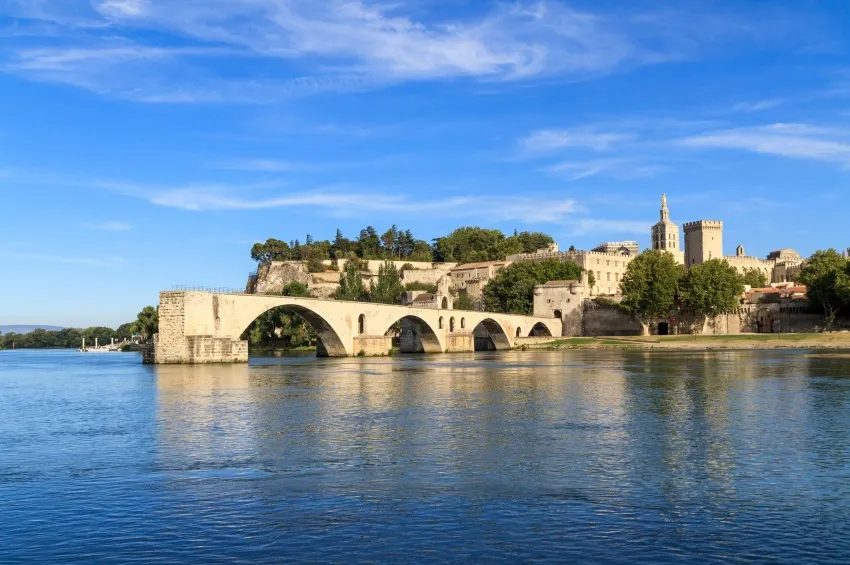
(108, 226)
(796, 141)
(168, 51)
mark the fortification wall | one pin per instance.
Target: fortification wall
(602, 320)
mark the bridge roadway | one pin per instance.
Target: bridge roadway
(206, 327)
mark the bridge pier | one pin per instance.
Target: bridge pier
(460, 342)
(372, 345)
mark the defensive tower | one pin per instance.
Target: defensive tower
(703, 241)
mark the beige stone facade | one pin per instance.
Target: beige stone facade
(703, 241)
(206, 327)
(608, 268)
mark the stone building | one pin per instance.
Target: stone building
(665, 234)
(703, 241)
(608, 268)
(562, 300)
(620, 247)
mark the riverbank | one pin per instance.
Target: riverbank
(701, 342)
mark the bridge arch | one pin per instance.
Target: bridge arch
(417, 335)
(498, 335)
(540, 330)
(331, 344)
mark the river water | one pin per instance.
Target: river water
(565, 456)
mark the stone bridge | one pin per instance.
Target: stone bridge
(206, 327)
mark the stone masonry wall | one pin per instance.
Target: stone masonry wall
(170, 343)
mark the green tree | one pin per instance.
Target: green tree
(531, 242)
(126, 331)
(350, 283)
(591, 280)
(711, 289)
(754, 278)
(147, 322)
(388, 288)
(825, 276)
(511, 291)
(425, 287)
(650, 286)
(369, 244)
(464, 301)
(271, 250)
(296, 289)
(470, 244)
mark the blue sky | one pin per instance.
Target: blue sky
(148, 143)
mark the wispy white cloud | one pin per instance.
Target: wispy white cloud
(108, 226)
(548, 140)
(258, 165)
(324, 45)
(619, 168)
(757, 106)
(799, 141)
(348, 201)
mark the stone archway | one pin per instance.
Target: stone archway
(489, 334)
(329, 342)
(540, 330)
(417, 336)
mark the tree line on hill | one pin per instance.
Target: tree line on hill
(463, 245)
(144, 326)
(655, 286)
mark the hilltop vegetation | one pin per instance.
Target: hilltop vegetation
(463, 245)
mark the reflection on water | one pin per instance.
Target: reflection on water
(586, 456)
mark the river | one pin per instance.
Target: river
(562, 456)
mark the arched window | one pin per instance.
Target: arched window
(462, 323)
(440, 323)
(361, 324)
(518, 332)
(451, 324)
(445, 304)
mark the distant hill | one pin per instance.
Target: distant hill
(27, 329)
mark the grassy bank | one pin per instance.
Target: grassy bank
(702, 342)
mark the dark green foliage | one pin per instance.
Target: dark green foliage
(147, 322)
(280, 328)
(471, 244)
(463, 245)
(650, 286)
(315, 265)
(464, 302)
(271, 250)
(296, 289)
(711, 289)
(351, 284)
(826, 277)
(387, 289)
(754, 278)
(512, 289)
(426, 287)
